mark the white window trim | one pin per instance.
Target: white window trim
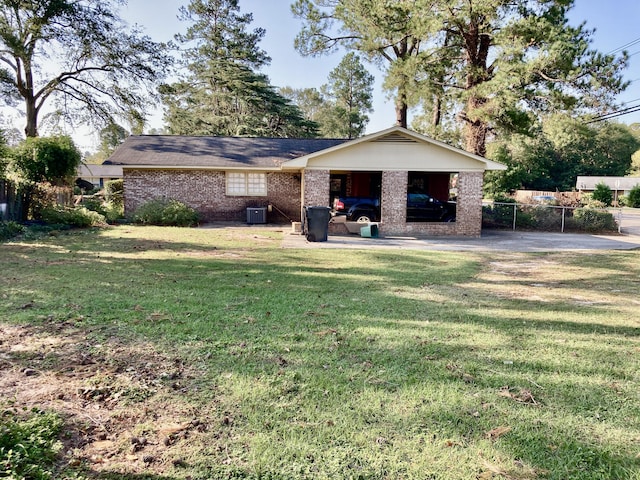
(249, 189)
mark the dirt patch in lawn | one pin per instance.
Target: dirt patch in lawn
(123, 406)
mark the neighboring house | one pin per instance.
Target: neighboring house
(619, 185)
(222, 177)
(99, 174)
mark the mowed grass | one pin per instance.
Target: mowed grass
(362, 364)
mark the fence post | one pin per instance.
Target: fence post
(562, 228)
(515, 213)
(620, 220)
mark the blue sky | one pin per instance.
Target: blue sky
(615, 22)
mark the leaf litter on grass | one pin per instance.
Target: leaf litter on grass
(263, 382)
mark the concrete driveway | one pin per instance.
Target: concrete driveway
(629, 220)
(491, 240)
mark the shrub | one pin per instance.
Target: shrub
(28, 446)
(95, 204)
(546, 218)
(114, 192)
(592, 220)
(111, 205)
(498, 215)
(166, 212)
(603, 194)
(44, 195)
(113, 213)
(589, 201)
(633, 198)
(77, 217)
(10, 229)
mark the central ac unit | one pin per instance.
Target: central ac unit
(256, 215)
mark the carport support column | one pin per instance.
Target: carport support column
(315, 188)
(469, 208)
(394, 201)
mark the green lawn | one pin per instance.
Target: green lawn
(214, 353)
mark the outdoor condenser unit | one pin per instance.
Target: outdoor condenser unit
(257, 215)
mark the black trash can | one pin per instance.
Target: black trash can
(317, 223)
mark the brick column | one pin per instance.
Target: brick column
(469, 208)
(315, 188)
(394, 201)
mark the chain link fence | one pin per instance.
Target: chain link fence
(550, 218)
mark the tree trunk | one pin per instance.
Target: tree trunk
(401, 110)
(475, 130)
(437, 111)
(31, 129)
(477, 46)
(476, 138)
(26, 90)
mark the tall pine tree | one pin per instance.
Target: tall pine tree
(487, 64)
(222, 92)
(349, 92)
(387, 33)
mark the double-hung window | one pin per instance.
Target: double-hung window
(246, 184)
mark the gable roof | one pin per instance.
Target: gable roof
(407, 149)
(177, 151)
(87, 170)
(614, 183)
(395, 148)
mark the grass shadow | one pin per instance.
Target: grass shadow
(320, 362)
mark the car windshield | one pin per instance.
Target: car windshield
(419, 198)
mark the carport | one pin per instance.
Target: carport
(390, 164)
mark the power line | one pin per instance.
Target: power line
(617, 113)
(626, 45)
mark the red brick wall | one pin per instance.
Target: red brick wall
(393, 204)
(468, 211)
(316, 188)
(205, 190)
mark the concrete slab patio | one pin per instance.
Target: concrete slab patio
(489, 241)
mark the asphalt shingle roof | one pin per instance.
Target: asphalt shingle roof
(584, 182)
(221, 152)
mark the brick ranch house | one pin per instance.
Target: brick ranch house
(223, 176)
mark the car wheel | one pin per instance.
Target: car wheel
(363, 217)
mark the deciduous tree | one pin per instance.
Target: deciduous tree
(39, 163)
(45, 159)
(78, 55)
(111, 137)
(310, 101)
(558, 150)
